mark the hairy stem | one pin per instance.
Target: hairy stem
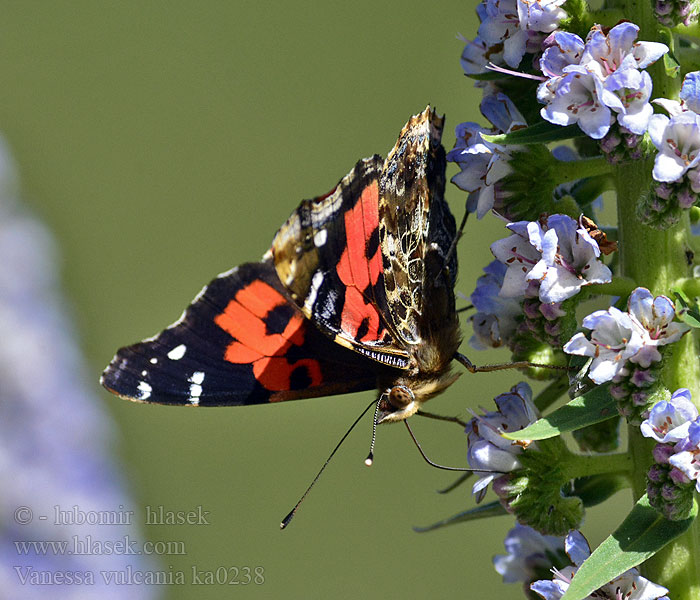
(657, 260)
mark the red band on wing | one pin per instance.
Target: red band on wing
(243, 319)
(357, 270)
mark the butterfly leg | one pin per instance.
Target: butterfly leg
(423, 413)
(453, 246)
(521, 364)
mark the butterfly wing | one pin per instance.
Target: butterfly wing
(328, 257)
(416, 229)
(241, 341)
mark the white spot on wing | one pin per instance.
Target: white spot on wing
(316, 282)
(145, 390)
(144, 373)
(196, 380)
(154, 361)
(177, 352)
(320, 237)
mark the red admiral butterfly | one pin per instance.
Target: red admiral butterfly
(355, 293)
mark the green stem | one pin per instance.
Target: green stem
(657, 260)
(578, 465)
(607, 16)
(578, 169)
(619, 286)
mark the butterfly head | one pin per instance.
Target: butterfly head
(406, 396)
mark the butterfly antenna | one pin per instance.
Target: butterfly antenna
(292, 512)
(370, 457)
(434, 464)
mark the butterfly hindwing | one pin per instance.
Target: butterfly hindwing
(327, 255)
(241, 341)
(416, 228)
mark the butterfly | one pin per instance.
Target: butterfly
(355, 293)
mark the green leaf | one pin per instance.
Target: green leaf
(593, 407)
(689, 315)
(540, 133)
(671, 65)
(597, 488)
(642, 534)
(492, 509)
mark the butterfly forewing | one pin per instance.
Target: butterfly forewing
(327, 254)
(242, 341)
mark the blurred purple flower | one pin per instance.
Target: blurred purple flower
(54, 438)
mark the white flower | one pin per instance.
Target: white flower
(669, 421)
(678, 142)
(495, 320)
(518, 25)
(528, 552)
(615, 338)
(575, 98)
(556, 256)
(570, 260)
(519, 255)
(655, 316)
(488, 450)
(687, 457)
(484, 163)
(628, 586)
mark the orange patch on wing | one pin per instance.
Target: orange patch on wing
(243, 319)
(355, 312)
(275, 373)
(356, 270)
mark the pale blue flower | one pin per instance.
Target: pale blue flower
(528, 552)
(687, 456)
(690, 92)
(608, 52)
(519, 255)
(592, 82)
(655, 316)
(563, 49)
(488, 451)
(56, 450)
(576, 99)
(570, 260)
(627, 92)
(678, 141)
(484, 163)
(495, 320)
(477, 54)
(519, 25)
(670, 420)
(557, 255)
(615, 338)
(630, 585)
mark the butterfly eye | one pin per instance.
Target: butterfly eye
(400, 396)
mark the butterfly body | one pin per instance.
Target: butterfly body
(356, 292)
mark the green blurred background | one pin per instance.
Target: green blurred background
(165, 142)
